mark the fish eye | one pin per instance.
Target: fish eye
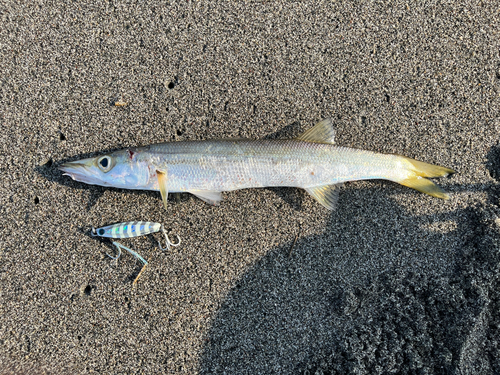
(104, 163)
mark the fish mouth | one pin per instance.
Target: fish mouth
(80, 171)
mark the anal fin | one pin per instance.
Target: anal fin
(209, 196)
(326, 195)
(163, 184)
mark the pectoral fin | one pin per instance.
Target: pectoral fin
(162, 183)
(209, 196)
(327, 195)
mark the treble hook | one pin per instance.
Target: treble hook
(167, 240)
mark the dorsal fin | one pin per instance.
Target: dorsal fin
(322, 132)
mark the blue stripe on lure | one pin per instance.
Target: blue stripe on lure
(127, 230)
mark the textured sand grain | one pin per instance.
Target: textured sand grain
(392, 282)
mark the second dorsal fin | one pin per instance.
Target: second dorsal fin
(322, 132)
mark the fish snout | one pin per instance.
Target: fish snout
(80, 170)
(72, 167)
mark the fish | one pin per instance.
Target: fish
(206, 168)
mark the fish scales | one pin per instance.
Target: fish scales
(233, 165)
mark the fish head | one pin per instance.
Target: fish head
(123, 169)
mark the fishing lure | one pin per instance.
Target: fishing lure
(132, 229)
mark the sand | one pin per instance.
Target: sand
(393, 281)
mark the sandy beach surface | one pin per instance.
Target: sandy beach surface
(268, 282)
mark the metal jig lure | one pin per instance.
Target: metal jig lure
(132, 229)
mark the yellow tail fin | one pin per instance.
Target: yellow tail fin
(418, 182)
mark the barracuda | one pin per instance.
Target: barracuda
(206, 168)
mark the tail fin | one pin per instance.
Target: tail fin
(416, 180)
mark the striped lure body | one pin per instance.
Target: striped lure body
(128, 229)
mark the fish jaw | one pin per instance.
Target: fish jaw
(83, 171)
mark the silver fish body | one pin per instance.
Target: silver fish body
(231, 165)
(206, 168)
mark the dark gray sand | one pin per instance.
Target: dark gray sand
(393, 281)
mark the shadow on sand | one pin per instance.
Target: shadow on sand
(375, 293)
